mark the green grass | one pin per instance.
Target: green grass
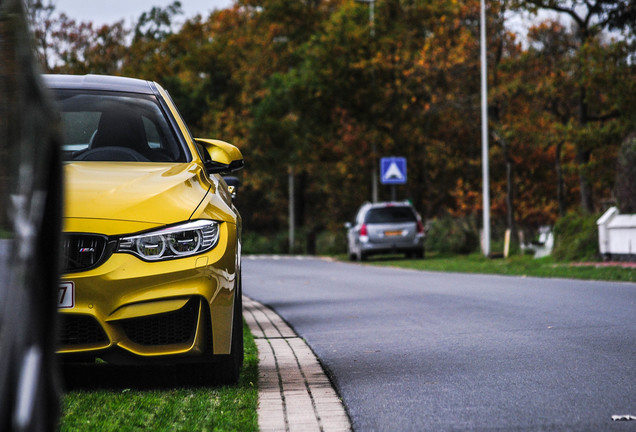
(228, 408)
(516, 265)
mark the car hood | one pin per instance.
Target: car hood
(150, 193)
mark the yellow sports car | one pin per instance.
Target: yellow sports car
(152, 241)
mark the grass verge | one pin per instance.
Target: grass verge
(517, 265)
(133, 408)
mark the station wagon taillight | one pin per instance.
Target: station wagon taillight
(420, 227)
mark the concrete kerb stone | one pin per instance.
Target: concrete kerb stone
(294, 392)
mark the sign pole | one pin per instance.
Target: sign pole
(374, 175)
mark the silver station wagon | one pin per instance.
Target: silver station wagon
(385, 228)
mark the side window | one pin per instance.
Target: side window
(170, 105)
(152, 134)
(163, 148)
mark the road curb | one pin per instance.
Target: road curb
(294, 392)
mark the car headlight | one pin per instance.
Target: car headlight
(173, 242)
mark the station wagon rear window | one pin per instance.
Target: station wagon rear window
(390, 215)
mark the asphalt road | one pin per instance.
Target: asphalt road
(425, 351)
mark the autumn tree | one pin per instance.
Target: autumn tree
(41, 16)
(594, 61)
(68, 46)
(151, 53)
(352, 91)
(83, 49)
(523, 127)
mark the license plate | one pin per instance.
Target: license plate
(392, 233)
(66, 295)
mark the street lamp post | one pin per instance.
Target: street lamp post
(374, 150)
(292, 205)
(484, 133)
(371, 15)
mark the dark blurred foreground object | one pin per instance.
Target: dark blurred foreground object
(30, 218)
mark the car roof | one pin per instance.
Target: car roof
(384, 204)
(99, 82)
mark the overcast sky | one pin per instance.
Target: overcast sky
(110, 11)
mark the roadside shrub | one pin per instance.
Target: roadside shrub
(331, 242)
(452, 235)
(305, 242)
(265, 243)
(575, 238)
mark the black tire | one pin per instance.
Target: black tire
(229, 367)
(352, 255)
(220, 369)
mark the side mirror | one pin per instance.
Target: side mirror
(223, 157)
(348, 225)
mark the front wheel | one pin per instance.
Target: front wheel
(229, 368)
(220, 369)
(352, 254)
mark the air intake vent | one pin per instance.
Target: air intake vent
(80, 330)
(164, 329)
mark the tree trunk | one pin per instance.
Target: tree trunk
(560, 182)
(582, 159)
(510, 209)
(583, 155)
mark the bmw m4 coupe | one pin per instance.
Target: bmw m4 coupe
(152, 240)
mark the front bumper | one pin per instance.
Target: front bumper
(171, 310)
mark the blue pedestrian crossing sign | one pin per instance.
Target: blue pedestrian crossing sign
(393, 170)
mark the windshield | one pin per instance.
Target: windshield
(390, 215)
(116, 127)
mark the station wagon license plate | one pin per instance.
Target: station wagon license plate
(66, 295)
(392, 233)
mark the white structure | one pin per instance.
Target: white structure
(617, 233)
(543, 246)
(546, 242)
